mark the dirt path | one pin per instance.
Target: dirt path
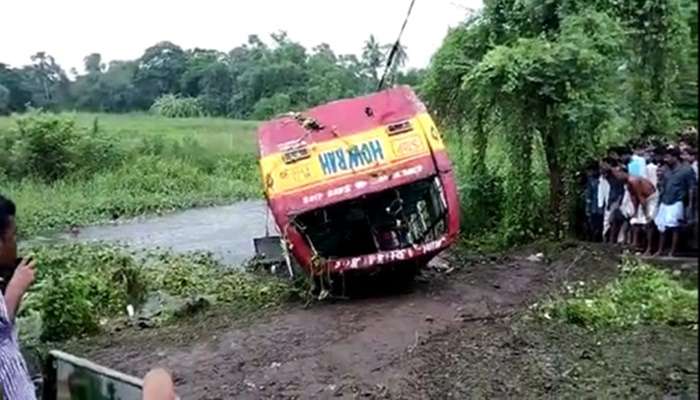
(378, 347)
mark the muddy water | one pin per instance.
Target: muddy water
(226, 231)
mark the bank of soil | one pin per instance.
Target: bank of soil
(462, 331)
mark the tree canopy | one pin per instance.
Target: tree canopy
(254, 80)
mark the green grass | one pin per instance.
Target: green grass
(81, 286)
(642, 294)
(217, 135)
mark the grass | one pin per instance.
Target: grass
(159, 165)
(216, 135)
(642, 294)
(148, 186)
(80, 287)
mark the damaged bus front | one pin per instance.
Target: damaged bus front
(360, 183)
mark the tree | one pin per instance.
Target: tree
(47, 82)
(160, 71)
(93, 64)
(17, 84)
(658, 34)
(372, 60)
(398, 62)
(4, 100)
(538, 72)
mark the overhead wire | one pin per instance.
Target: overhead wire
(395, 47)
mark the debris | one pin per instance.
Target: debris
(676, 273)
(275, 365)
(429, 318)
(539, 257)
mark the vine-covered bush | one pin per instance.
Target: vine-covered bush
(548, 80)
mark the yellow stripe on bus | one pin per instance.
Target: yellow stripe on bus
(361, 152)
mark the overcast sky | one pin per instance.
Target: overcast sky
(71, 29)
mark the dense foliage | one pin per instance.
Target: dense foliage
(80, 287)
(550, 83)
(252, 80)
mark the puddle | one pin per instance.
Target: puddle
(226, 231)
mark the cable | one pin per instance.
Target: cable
(395, 48)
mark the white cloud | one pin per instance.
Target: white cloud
(71, 29)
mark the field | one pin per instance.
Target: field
(132, 164)
(217, 135)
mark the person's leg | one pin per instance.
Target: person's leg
(662, 239)
(598, 228)
(636, 231)
(674, 242)
(650, 238)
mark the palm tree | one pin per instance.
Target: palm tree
(372, 58)
(399, 61)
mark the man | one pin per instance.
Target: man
(643, 199)
(689, 157)
(677, 185)
(613, 218)
(14, 377)
(638, 164)
(593, 209)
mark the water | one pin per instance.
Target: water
(225, 231)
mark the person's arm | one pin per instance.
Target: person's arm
(18, 285)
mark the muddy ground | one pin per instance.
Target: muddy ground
(462, 331)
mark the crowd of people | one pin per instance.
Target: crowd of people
(644, 195)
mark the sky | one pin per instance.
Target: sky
(71, 29)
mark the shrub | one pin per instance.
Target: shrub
(173, 106)
(67, 308)
(50, 147)
(268, 107)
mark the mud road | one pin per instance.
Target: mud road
(457, 333)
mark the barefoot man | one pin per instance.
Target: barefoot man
(677, 185)
(644, 201)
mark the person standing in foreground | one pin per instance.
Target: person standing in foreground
(677, 185)
(14, 377)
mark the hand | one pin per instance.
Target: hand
(24, 275)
